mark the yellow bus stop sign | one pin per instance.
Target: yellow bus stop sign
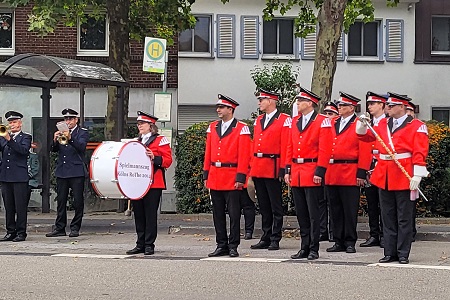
(154, 55)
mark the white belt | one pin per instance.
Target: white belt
(397, 156)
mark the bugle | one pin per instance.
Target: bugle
(4, 130)
(63, 139)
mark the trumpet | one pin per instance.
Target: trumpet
(63, 139)
(4, 130)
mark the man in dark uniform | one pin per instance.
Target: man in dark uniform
(70, 174)
(15, 146)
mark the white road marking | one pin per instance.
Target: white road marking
(245, 259)
(75, 255)
(409, 266)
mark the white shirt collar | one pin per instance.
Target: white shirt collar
(227, 123)
(377, 120)
(347, 119)
(400, 120)
(146, 136)
(71, 130)
(308, 116)
(269, 116)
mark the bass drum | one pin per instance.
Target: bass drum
(121, 170)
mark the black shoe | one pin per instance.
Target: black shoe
(260, 245)
(233, 252)
(274, 246)
(248, 236)
(403, 260)
(19, 238)
(370, 242)
(323, 238)
(149, 251)
(219, 252)
(56, 233)
(136, 250)
(313, 255)
(388, 259)
(382, 242)
(300, 254)
(336, 248)
(74, 233)
(8, 237)
(350, 249)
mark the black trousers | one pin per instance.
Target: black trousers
(326, 228)
(146, 218)
(220, 201)
(16, 203)
(268, 191)
(306, 201)
(344, 204)
(76, 184)
(248, 210)
(373, 210)
(397, 215)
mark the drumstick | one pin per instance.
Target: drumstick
(128, 211)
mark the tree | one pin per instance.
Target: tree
(128, 19)
(332, 16)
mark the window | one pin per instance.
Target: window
(364, 41)
(198, 40)
(441, 114)
(93, 36)
(278, 38)
(440, 35)
(189, 114)
(6, 32)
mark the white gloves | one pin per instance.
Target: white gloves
(414, 183)
(361, 128)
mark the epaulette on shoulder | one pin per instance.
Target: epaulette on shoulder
(82, 128)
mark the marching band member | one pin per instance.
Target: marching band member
(306, 163)
(15, 147)
(407, 138)
(70, 174)
(146, 209)
(375, 104)
(349, 162)
(410, 110)
(225, 171)
(331, 110)
(267, 167)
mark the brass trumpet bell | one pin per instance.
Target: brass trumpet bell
(63, 140)
(4, 130)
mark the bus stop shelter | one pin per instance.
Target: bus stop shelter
(42, 71)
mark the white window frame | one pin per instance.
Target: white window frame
(380, 53)
(295, 43)
(87, 52)
(209, 54)
(10, 51)
(437, 53)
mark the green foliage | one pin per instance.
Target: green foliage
(192, 196)
(280, 78)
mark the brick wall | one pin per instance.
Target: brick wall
(63, 43)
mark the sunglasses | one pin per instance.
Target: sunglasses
(329, 113)
(392, 105)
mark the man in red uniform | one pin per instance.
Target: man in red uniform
(407, 138)
(306, 163)
(375, 104)
(331, 110)
(267, 167)
(225, 172)
(349, 161)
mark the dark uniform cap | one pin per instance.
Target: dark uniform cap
(373, 97)
(227, 101)
(146, 117)
(331, 106)
(308, 95)
(68, 112)
(13, 115)
(266, 94)
(397, 99)
(411, 106)
(348, 99)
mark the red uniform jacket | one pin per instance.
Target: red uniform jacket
(350, 158)
(226, 156)
(410, 137)
(160, 146)
(269, 146)
(307, 150)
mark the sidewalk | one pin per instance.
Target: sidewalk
(428, 229)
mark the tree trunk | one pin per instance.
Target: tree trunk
(331, 19)
(119, 60)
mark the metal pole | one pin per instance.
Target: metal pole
(45, 157)
(82, 93)
(165, 72)
(120, 95)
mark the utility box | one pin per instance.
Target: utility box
(168, 202)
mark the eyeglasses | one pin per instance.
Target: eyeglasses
(392, 105)
(140, 123)
(220, 106)
(343, 105)
(329, 113)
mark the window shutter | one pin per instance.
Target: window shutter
(249, 37)
(309, 46)
(188, 115)
(225, 35)
(394, 40)
(340, 50)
